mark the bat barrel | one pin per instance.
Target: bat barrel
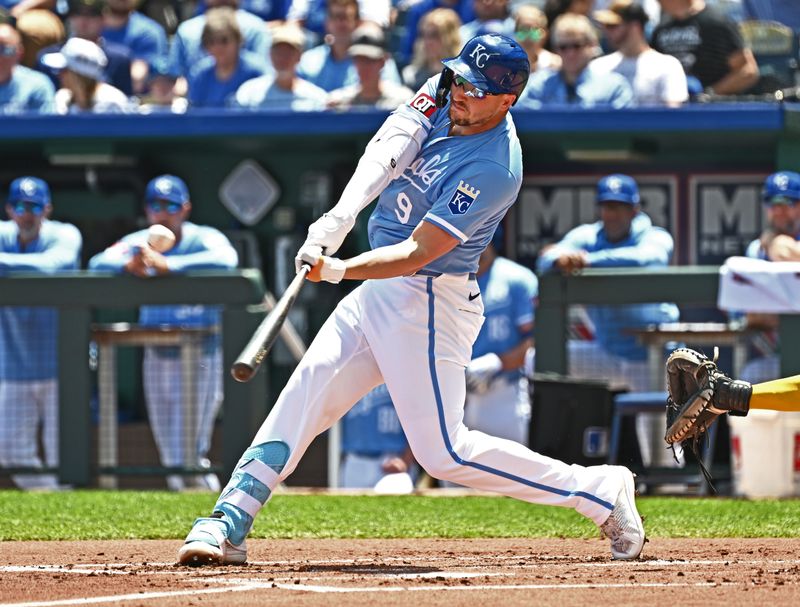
(251, 357)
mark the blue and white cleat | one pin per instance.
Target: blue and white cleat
(208, 544)
(624, 525)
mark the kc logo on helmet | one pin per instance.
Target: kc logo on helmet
(480, 56)
(424, 104)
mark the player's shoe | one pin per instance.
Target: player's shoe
(624, 525)
(208, 544)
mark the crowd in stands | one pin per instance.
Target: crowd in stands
(145, 56)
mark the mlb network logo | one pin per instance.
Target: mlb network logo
(462, 198)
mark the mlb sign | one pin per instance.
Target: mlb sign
(549, 206)
(725, 215)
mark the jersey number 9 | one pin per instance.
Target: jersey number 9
(404, 206)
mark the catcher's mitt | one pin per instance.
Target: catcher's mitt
(698, 394)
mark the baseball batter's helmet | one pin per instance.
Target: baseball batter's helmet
(619, 188)
(493, 63)
(29, 189)
(782, 187)
(167, 187)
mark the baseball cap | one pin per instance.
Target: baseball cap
(93, 8)
(160, 65)
(167, 187)
(81, 56)
(619, 188)
(29, 189)
(368, 41)
(619, 11)
(289, 34)
(782, 187)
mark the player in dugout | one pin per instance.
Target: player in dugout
(31, 242)
(446, 167)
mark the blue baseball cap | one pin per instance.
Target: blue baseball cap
(492, 63)
(29, 189)
(782, 187)
(619, 188)
(167, 187)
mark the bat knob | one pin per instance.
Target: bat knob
(242, 372)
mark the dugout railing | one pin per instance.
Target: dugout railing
(78, 295)
(682, 285)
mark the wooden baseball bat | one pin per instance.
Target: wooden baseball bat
(264, 337)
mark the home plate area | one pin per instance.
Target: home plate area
(405, 572)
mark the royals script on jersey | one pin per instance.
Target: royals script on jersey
(463, 185)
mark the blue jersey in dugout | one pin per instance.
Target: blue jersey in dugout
(371, 427)
(509, 291)
(645, 246)
(200, 248)
(463, 185)
(28, 335)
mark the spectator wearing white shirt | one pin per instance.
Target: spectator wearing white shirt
(656, 79)
(80, 65)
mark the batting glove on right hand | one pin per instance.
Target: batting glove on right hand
(481, 372)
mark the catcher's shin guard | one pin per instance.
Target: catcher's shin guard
(732, 395)
(251, 485)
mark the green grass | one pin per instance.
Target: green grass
(83, 515)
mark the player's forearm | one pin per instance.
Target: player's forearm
(399, 259)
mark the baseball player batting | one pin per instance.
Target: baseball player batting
(446, 167)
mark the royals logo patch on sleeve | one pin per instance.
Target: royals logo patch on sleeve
(424, 104)
(462, 198)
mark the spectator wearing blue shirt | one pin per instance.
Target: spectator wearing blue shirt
(271, 11)
(310, 14)
(196, 248)
(498, 402)
(283, 89)
(780, 241)
(418, 10)
(141, 35)
(575, 41)
(375, 447)
(85, 20)
(217, 77)
(186, 50)
(491, 16)
(21, 89)
(31, 243)
(624, 237)
(329, 66)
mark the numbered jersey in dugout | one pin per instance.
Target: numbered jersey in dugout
(463, 185)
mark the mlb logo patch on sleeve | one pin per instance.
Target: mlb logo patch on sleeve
(424, 104)
(462, 198)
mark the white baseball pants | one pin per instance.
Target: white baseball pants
(415, 334)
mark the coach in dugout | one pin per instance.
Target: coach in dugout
(196, 248)
(31, 243)
(624, 237)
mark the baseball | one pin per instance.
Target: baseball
(160, 238)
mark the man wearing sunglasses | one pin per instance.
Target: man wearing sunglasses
(446, 166)
(21, 89)
(30, 242)
(166, 202)
(575, 41)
